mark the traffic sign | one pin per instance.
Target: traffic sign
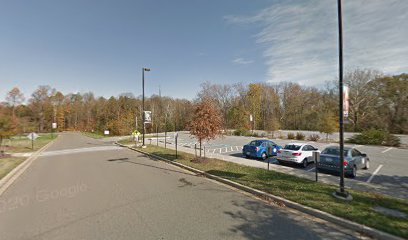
(32, 136)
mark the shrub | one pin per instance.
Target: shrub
(255, 134)
(291, 136)
(300, 136)
(314, 137)
(241, 132)
(375, 137)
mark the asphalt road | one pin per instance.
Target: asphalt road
(82, 188)
(388, 166)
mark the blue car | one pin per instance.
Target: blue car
(260, 149)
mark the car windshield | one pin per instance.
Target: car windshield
(255, 143)
(292, 147)
(334, 151)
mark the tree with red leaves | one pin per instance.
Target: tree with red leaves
(206, 123)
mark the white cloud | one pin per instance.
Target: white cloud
(242, 61)
(300, 38)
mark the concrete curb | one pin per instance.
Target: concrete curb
(13, 175)
(282, 201)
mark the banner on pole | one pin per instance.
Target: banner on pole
(147, 116)
(346, 105)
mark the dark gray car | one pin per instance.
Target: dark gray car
(353, 160)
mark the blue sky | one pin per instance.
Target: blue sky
(101, 46)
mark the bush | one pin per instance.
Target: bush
(314, 137)
(291, 136)
(375, 137)
(300, 136)
(241, 132)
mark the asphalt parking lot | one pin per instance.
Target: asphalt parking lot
(388, 166)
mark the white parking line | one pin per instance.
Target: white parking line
(375, 172)
(231, 149)
(386, 150)
(312, 169)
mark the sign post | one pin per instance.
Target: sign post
(316, 158)
(53, 127)
(32, 136)
(175, 140)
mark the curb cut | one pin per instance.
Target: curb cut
(13, 175)
(267, 196)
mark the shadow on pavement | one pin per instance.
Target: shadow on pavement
(260, 221)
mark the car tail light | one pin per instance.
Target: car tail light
(345, 163)
(279, 151)
(296, 153)
(257, 149)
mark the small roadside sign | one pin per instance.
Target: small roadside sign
(54, 125)
(176, 135)
(106, 132)
(250, 118)
(135, 133)
(32, 136)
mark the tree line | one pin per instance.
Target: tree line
(376, 101)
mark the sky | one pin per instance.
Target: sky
(102, 45)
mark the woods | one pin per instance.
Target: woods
(376, 101)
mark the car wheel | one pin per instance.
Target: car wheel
(354, 172)
(367, 164)
(264, 156)
(304, 163)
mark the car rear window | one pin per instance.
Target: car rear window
(292, 147)
(255, 143)
(334, 151)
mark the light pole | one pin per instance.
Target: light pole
(143, 115)
(341, 193)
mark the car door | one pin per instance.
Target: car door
(269, 148)
(308, 151)
(356, 155)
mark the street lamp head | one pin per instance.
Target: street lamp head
(146, 69)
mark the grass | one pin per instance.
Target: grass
(8, 164)
(303, 191)
(126, 141)
(21, 144)
(93, 135)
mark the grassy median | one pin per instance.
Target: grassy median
(21, 144)
(93, 135)
(9, 163)
(303, 191)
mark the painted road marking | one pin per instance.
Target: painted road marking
(312, 169)
(386, 150)
(375, 172)
(80, 150)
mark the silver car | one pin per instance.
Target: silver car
(353, 160)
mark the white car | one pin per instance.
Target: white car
(299, 153)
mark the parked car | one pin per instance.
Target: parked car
(299, 153)
(260, 149)
(353, 160)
